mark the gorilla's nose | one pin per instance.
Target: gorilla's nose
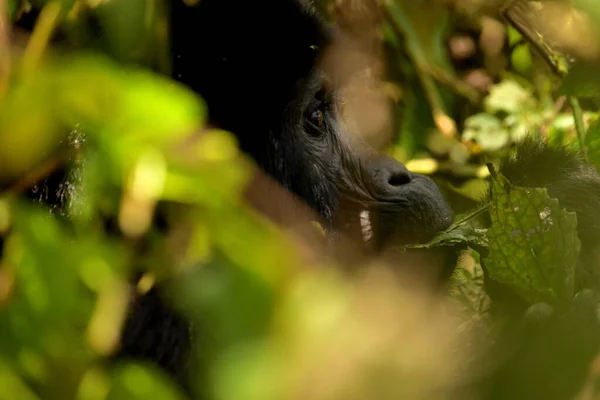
(387, 175)
(398, 174)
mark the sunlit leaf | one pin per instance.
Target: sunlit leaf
(521, 59)
(507, 96)
(487, 131)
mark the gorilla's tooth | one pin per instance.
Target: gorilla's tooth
(365, 225)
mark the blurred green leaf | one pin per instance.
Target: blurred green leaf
(507, 96)
(487, 131)
(12, 5)
(12, 385)
(141, 382)
(132, 29)
(521, 59)
(514, 36)
(126, 108)
(581, 81)
(29, 129)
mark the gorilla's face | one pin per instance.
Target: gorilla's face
(370, 196)
(257, 66)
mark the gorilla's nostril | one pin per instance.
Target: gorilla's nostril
(399, 179)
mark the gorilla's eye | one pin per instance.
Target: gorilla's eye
(317, 118)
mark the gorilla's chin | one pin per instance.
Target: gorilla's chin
(385, 230)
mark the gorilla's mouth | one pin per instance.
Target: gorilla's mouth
(413, 217)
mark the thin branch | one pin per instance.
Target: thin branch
(558, 106)
(518, 15)
(456, 85)
(578, 116)
(480, 210)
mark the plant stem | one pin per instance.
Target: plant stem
(578, 116)
(41, 35)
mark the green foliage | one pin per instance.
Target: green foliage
(581, 81)
(70, 291)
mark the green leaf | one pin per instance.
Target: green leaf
(13, 386)
(125, 102)
(533, 243)
(592, 143)
(521, 59)
(130, 29)
(29, 129)
(125, 108)
(133, 382)
(12, 8)
(514, 36)
(581, 81)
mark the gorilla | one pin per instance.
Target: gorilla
(259, 67)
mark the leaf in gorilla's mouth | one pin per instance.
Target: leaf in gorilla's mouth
(365, 225)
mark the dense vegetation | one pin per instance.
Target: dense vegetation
(463, 82)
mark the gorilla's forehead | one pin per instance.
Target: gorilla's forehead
(252, 33)
(228, 49)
